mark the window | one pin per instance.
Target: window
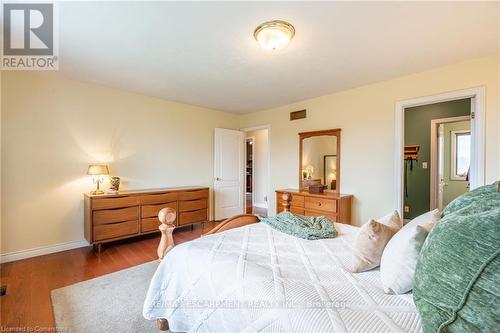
(460, 154)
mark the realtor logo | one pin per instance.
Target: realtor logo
(29, 37)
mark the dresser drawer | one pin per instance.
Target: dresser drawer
(328, 205)
(188, 206)
(115, 215)
(296, 210)
(110, 203)
(109, 217)
(193, 195)
(192, 217)
(153, 210)
(115, 230)
(154, 199)
(297, 200)
(331, 217)
(150, 224)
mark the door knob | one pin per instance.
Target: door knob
(218, 179)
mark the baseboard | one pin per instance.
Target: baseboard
(260, 205)
(24, 254)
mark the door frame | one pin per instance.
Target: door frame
(269, 186)
(434, 188)
(477, 96)
(250, 138)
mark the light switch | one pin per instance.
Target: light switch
(424, 165)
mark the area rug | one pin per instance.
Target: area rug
(109, 303)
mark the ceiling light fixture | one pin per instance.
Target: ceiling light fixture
(274, 35)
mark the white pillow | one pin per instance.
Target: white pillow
(397, 266)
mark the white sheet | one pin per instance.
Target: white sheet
(257, 279)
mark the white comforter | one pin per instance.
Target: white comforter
(257, 279)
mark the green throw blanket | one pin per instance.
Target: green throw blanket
(306, 227)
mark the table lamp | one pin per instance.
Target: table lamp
(97, 171)
(310, 171)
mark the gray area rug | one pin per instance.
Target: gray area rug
(109, 303)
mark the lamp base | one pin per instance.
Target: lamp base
(97, 192)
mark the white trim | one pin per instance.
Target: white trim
(477, 96)
(478, 132)
(434, 181)
(261, 127)
(38, 251)
(440, 174)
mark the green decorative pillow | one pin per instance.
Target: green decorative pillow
(457, 279)
(470, 197)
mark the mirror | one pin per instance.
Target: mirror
(319, 159)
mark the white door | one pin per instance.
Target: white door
(442, 182)
(229, 157)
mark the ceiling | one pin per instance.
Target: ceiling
(205, 54)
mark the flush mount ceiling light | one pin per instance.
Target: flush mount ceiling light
(274, 35)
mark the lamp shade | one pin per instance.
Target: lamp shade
(97, 169)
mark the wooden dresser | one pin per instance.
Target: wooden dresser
(334, 206)
(126, 214)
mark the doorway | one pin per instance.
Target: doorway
(450, 159)
(257, 181)
(241, 174)
(249, 177)
(437, 155)
(476, 112)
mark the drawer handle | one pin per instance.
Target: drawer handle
(319, 203)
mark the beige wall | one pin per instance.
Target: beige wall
(261, 166)
(366, 117)
(52, 128)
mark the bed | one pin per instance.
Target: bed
(247, 277)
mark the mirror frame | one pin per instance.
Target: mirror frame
(331, 132)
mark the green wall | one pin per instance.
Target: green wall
(418, 132)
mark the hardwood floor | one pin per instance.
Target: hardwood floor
(27, 302)
(255, 210)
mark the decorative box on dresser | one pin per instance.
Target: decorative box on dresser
(110, 217)
(332, 205)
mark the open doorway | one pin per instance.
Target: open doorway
(451, 152)
(257, 171)
(476, 112)
(249, 177)
(437, 155)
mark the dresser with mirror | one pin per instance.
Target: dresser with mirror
(318, 192)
